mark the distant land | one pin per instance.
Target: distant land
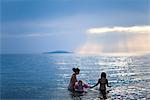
(58, 52)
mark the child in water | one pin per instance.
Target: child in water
(103, 82)
(73, 79)
(80, 86)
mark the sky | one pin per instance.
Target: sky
(81, 26)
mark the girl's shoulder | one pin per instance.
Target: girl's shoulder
(73, 75)
(99, 79)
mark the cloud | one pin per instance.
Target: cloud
(132, 29)
(134, 39)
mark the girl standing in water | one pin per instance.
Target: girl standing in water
(73, 79)
(103, 82)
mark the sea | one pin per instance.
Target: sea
(46, 76)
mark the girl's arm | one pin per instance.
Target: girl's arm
(95, 84)
(107, 83)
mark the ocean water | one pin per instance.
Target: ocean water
(46, 76)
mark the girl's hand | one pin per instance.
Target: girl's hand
(91, 87)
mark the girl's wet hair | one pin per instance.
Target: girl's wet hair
(75, 69)
(103, 74)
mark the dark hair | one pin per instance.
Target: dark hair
(75, 69)
(103, 74)
(80, 81)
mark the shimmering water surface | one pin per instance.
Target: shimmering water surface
(46, 77)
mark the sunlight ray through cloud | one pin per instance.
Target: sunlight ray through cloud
(134, 39)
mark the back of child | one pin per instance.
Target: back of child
(103, 82)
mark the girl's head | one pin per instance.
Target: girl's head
(76, 70)
(80, 82)
(103, 74)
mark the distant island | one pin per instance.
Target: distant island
(58, 52)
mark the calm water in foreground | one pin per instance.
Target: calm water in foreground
(46, 77)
